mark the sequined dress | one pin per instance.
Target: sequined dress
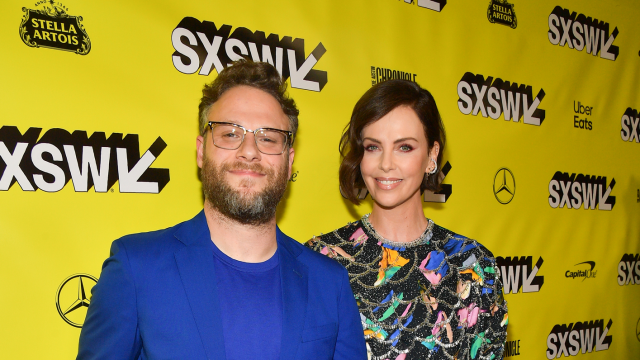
(438, 297)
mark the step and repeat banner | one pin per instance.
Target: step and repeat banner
(540, 100)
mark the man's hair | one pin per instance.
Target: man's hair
(377, 102)
(259, 75)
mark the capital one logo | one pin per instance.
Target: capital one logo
(569, 340)
(202, 45)
(519, 273)
(49, 162)
(495, 98)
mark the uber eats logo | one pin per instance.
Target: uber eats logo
(519, 273)
(630, 124)
(201, 45)
(49, 162)
(573, 191)
(581, 337)
(495, 98)
(629, 270)
(582, 33)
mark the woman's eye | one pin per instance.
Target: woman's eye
(371, 148)
(405, 148)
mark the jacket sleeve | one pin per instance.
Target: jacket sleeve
(350, 344)
(110, 330)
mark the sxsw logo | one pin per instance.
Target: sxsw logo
(519, 273)
(201, 45)
(445, 191)
(569, 340)
(49, 162)
(629, 270)
(630, 124)
(580, 32)
(573, 191)
(493, 98)
(435, 5)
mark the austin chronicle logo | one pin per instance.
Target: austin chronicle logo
(50, 26)
(73, 298)
(504, 186)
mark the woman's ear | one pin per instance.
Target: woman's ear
(435, 150)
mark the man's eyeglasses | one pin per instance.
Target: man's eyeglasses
(268, 141)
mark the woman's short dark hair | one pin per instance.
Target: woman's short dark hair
(260, 75)
(373, 105)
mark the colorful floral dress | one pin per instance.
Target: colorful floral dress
(438, 297)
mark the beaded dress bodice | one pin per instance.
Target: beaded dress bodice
(438, 297)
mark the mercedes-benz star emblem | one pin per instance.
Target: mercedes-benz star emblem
(504, 186)
(72, 301)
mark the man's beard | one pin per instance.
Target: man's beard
(246, 207)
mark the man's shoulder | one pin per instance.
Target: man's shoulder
(158, 240)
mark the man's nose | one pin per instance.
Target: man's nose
(248, 149)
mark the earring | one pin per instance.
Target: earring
(435, 167)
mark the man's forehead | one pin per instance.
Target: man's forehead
(249, 106)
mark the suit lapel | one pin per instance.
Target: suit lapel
(197, 272)
(294, 279)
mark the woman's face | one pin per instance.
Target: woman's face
(396, 157)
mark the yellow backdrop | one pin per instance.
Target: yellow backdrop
(111, 89)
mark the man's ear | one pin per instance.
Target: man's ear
(291, 155)
(200, 150)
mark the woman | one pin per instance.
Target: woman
(423, 291)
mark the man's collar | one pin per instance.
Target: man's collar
(195, 232)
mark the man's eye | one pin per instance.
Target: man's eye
(230, 135)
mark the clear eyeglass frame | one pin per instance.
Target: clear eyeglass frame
(288, 137)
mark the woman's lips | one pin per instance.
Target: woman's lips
(388, 183)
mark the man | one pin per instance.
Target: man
(227, 284)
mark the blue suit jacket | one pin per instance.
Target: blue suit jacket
(157, 299)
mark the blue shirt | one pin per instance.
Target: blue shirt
(251, 306)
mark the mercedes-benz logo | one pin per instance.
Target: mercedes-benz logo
(504, 186)
(75, 299)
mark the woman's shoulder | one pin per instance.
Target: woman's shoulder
(456, 245)
(338, 235)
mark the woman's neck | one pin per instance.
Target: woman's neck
(402, 223)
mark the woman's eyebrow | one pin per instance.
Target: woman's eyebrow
(405, 139)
